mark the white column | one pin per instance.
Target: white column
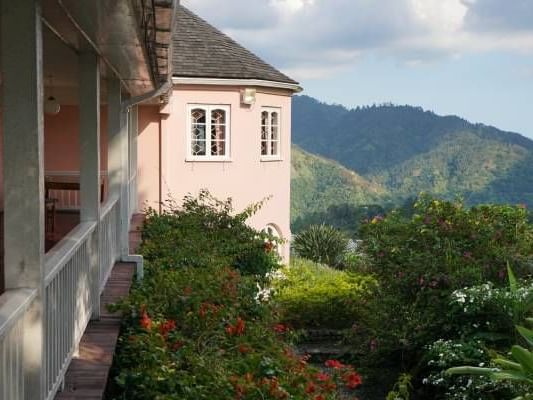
(23, 124)
(90, 161)
(114, 159)
(125, 193)
(118, 158)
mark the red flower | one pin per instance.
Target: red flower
(320, 397)
(166, 327)
(230, 330)
(310, 388)
(145, 321)
(178, 344)
(280, 328)
(187, 291)
(268, 246)
(334, 364)
(243, 349)
(239, 327)
(353, 380)
(322, 377)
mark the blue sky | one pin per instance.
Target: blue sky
(472, 58)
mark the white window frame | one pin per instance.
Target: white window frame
(208, 108)
(270, 157)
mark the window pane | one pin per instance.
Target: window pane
(264, 146)
(218, 132)
(198, 116)
(264, 118)
(274, 118)
(274, 133)
(198, 132)
(274, 148)
(218, 117)
(218, 148)
(198, 148)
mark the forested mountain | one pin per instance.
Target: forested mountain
(404, 150)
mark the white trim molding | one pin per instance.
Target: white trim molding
(236, 82)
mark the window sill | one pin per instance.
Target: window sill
(211, 160)
(271, 159)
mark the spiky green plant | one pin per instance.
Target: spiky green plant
(322, 244)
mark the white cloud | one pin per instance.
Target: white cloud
(316, 38)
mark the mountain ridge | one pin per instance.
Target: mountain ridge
(405, 150)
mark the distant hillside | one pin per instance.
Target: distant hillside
(317, 184)
(404, 150)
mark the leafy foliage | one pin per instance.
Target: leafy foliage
(318, 184)
(322, 244)
(194, 331)
(311, 295)
(204, 231)
(423, 265)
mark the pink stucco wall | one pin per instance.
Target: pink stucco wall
(245, 178)
(148, 157)
(61, 142)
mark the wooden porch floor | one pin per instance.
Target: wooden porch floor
(87, 375)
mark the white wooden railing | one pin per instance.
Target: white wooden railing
(69, 295)
(13, 306)
(76, 270)
(109, 238)
(69, 199)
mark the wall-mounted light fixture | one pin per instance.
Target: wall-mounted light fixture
(248, 96)
(51, 106)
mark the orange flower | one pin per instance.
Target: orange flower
(166, 327)
(239, 327)
(353, 380)
(145, 321)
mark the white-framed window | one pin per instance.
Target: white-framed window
(270, 133)
(208, 132)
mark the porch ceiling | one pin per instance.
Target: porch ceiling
(119, 31)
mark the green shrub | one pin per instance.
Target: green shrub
(420, 261)
(322, 244)
(314, 295)
(205, 231)
(201, 331)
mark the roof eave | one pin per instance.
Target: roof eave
(294, 87)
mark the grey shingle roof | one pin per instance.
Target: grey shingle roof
(202, 51)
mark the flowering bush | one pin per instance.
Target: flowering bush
(491, 312)
(201, 332)
(313, 295)
(420, 261)
(204, 231)
(444, 354)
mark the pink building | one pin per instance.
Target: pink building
(107, 106)
(226, 128)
